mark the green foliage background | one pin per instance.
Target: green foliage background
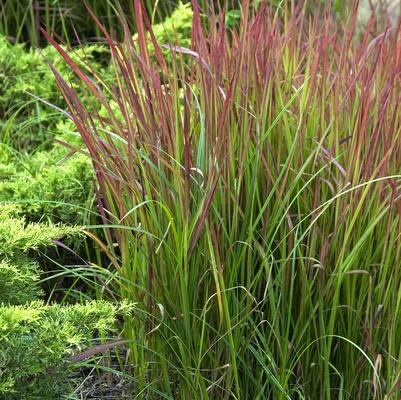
(207, 326)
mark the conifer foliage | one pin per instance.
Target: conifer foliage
(37, 339)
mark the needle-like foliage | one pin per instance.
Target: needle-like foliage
(38, 340)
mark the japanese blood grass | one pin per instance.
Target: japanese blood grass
(250, 195)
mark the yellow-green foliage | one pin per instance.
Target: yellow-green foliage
(177, 27)
(37, 340)
(19, 281)
(174, 30)
(48, 184)
(17, 236)
(23, 71)
(19, 274)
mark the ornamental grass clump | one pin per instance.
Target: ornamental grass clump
(250, 192)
